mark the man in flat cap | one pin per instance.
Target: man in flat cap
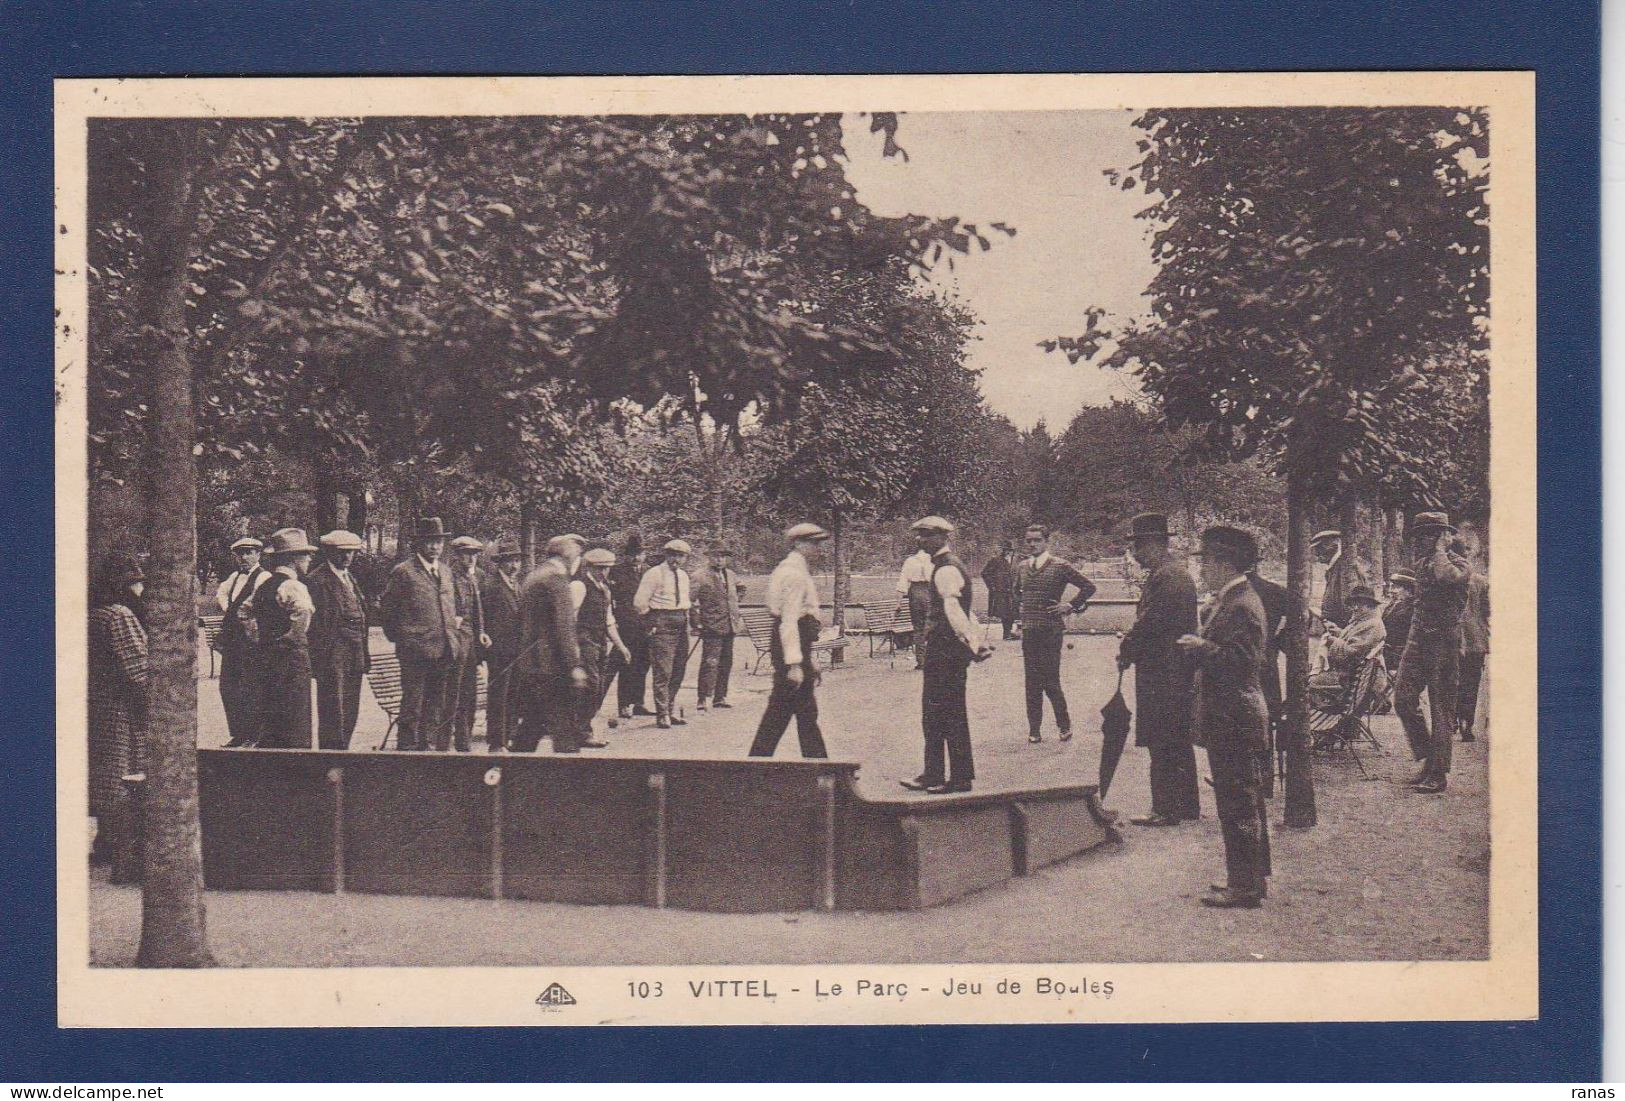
(499, 600)
(597, 634)
(239, 657)
(1432, 657)
(549, 653)
(719, 621)
(1344, 570)
(1040, 585)
(792, 600)
(1163, 673)
(632, 676)
(419, 615)
(471, 642)
(1396, 615)
(1232, 720)
(664, 600)
(338, 640)
(951, 645)
(282, 616)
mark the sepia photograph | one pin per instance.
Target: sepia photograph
(796, 549)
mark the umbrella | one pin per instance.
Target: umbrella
(1114, 729)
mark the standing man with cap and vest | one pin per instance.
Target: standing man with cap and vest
(597, 633)
(1432, 657)
(1344, 570)
(338, 640)
(664, 599)
(1041, 582)
(1232, 720)
(471, 642)
(914, 585)
(549, 655)
(950, 647)
(419, 615)
(1163, 673)
(499, 601)
(719, 621)
(282, 615)
(632, 678)
(792, 600)
(239, 655)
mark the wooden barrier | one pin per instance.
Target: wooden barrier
(722, 835)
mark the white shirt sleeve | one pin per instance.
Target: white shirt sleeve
(578, 593)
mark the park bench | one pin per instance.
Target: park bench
(759, 627)
(211, 635)
(384, 675)
(885, 622)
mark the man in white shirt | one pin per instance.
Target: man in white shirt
(914, 584)
(664, 600)
(239, 665)
(792, 599)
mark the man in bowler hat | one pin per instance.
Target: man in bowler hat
(338, 640)
(419, 615)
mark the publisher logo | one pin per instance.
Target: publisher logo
(554, 997)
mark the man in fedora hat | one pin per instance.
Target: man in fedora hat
(632, 676)
(1344, 570)
(597, 633)
(471, 641)
(499, 598)
(239, 657)
(951, 645)
(664, 600)
(792, 601)
(338, 640)
(1432, 656)
(1163, 673)
(1232, 719)
(719, 621)
(282, 615)
(549, 653)
(419, 615)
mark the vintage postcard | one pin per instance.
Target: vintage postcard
(465, 484)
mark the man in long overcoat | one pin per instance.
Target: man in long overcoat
(549, 653)
(499, 598)
(338, 640)
(1162, 673)
(419, 615)
(999, 575)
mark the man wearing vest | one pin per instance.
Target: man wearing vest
(1432, 657)
(664, 598)
(950, 647)
(239, 655)
(419, 615)
(338, 640)
(632, 675)
(792, 600)
(499, 600)
(597, 633)
(717, 618)
(282, 615)
(471, 641)
(914, 585)
(1162, 673)
(1232, 720)
(553, 678)
(1041, 582)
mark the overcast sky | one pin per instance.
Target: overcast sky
(1078, 243)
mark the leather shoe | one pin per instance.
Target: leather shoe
(721, 704)
(639, 709)
(1221, 888)
(625, 713)
(1155, 820)
(947, 789)
(1035, 738)
(663, 724)
(676, 721)
(920, 783)
(593, 745)
(700, 708)
(1429, 787)
(1066, 735)
(1232, 900)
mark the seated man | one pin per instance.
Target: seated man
(1348, 646)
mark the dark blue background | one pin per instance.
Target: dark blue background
(40, 40)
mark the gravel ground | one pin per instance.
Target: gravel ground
(1386, 875)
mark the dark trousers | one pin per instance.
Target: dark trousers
(789, 699)
(1472, 675)
(285, 699)
(1239, 793)
(1008, 620)
(1433, 665)
(716, 666)
(609, 669)
(593, 661)
(460, 686)
(426, 695)
(632, 676)
(338, 694)
(1041, 659)
(946, 722)
(240, 692)
(502, 682)
(548, 709)
(919, 617)
(668, 656)
(1173, 780)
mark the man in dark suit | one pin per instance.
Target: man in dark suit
(1162, 673)
(499, 598)
(338, 640)
(1232, 720)
(632, 676)
(999, 575)
(471, 641)
(1274, 599)
(419, 615)
(549, 654)
(239, 655)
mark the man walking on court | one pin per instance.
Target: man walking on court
(792, 600)
(1041, 583)
(549, 653)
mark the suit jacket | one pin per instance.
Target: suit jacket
(1345, 651)
(418, 615)
(1231, 715)
(466, 588)
(716, 605)
(324, 587)
(1275, 601)
(547, 615)
(998, 575)
(501, 606)
(1162, 672)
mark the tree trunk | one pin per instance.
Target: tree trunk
(1300, 779)
(327, 504)
(1393, 540)
(837, 551)
(172, 919)
(355, 518)
(406, 506)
